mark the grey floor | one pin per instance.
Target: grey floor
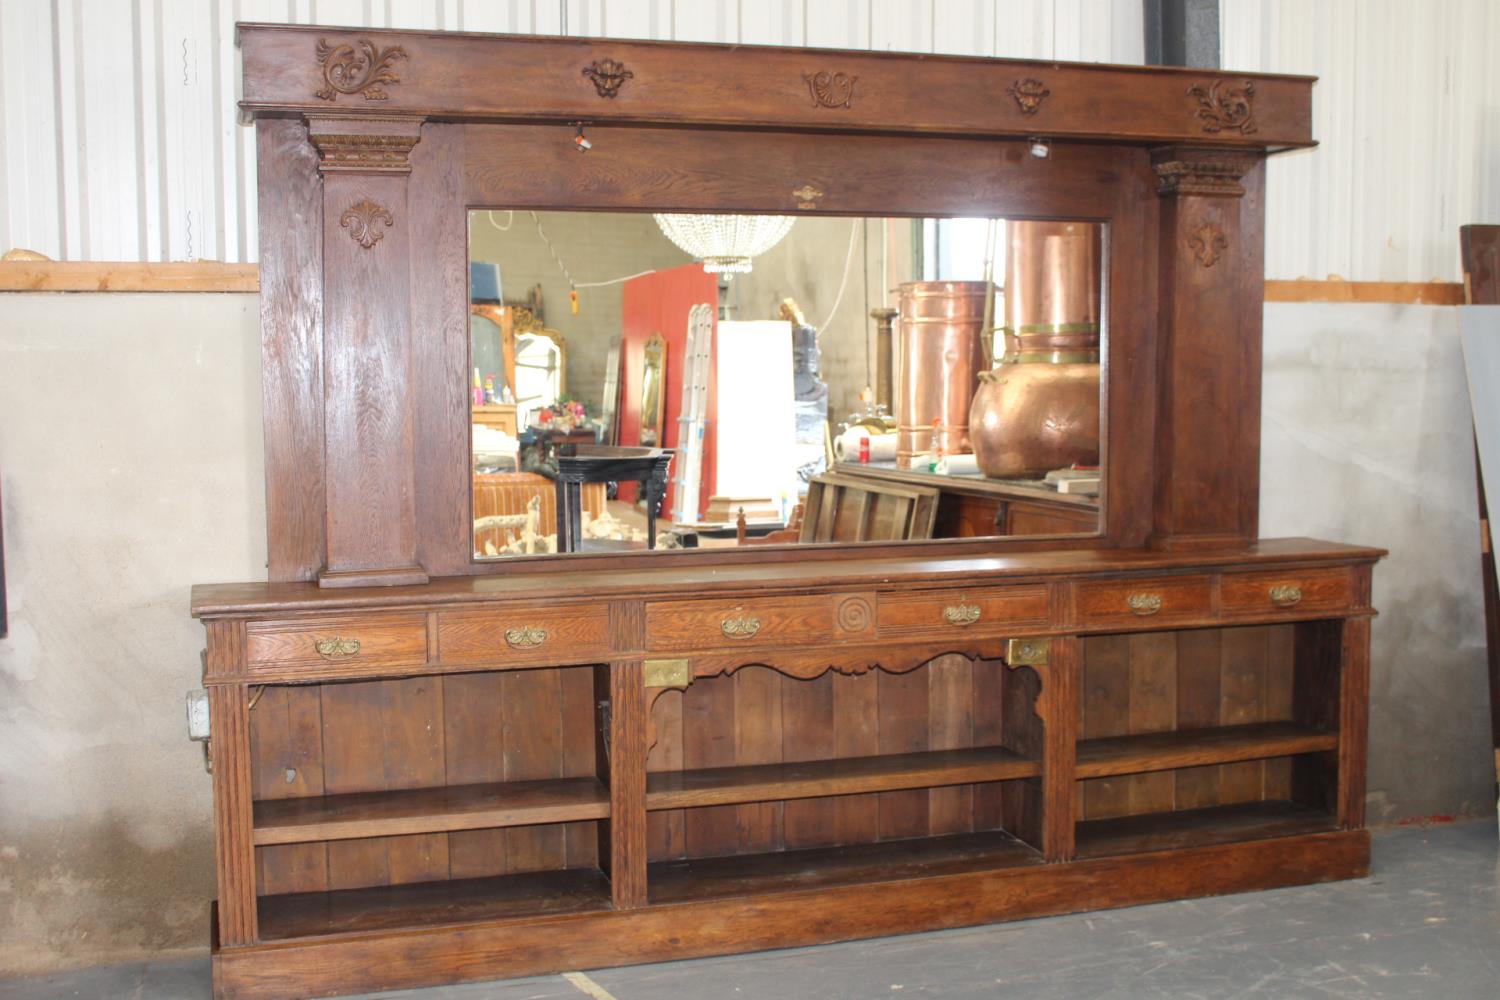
(1426, 924)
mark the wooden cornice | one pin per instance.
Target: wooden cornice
(297, 70)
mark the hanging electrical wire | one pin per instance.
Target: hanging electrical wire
(844, 280)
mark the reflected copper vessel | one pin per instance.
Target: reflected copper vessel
(939, 355)
(1038, 410)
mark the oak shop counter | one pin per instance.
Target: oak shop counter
(491, 785)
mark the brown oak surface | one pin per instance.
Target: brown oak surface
(1171, 831)
(1098, 758)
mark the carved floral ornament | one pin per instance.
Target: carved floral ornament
(366, 222)
(830, 89)
(608, 76)
(358, 68)
(1028, 95)
(1207, 242)
(1224, 107)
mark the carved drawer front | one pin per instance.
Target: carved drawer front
(337, 645)
(686, 625)
(946, 612)
(525, 635)
(1293, 592)
(1147, 600)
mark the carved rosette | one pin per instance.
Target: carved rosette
(357, 68)
(830, 88)
(1207, 242)
(855, 615)
(366, 222)
(1224, 107)
(1028, 95)
(608, 76)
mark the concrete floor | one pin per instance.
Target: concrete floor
(1426, 924)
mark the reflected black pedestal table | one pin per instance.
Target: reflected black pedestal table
(607, 464)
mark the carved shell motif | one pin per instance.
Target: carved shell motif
(366, 222)
(830, 89)
(1207, 242)
(1223, 107)
(357, 69)
(1028, 95)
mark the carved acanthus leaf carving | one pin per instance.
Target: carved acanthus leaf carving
(366, 222)
(358, 68)
(608, 76)
(830, 89)
(1223, 107)
(1028, 95)
(1207, 242)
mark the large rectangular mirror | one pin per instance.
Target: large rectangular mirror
(649, 381)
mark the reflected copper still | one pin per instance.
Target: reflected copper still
(1038, 410)
(939, 355)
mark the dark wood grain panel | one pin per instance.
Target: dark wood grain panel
(903, 701)
(708, 742)
(1242, 695)
(807, 734)
(474, 752)
(580, 721)
(1198, 703)
(1106, 712)
(627, 785)
(234, 853)
(289, 199)
(856, 733)
(286, 753)
(757, 742)
(950, 727)
(532, 702)
(666, 829)
(989, 731)
(1171, 831)
(1152, 708)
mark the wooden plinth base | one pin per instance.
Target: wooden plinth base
(427, 955)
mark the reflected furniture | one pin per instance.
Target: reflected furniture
(585, 464)
(508, 493)
(977, 507)
(500, 416)
(842, 508)
(428, 768)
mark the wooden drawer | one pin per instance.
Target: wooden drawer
(943, 612)
(1293, 593)
(1149, 599)
(346, 642)
(686, 625)
(525, 634)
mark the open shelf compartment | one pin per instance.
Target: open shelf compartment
(1145, 752)
(847, 776)
(429, 810)
(1187, 828)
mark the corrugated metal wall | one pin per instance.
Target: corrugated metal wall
(120, 136)
(1407, 113)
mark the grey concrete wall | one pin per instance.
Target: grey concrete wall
(1367, 438)
(131, 460)
(130, 451)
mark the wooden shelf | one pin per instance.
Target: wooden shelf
(1170, 831)
(431, 904)
(850, 776)
(429, 810)
(1099, 758)
(891, 861)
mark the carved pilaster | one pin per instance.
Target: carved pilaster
(1207, 470)
(367, 412)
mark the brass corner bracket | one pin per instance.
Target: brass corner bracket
(1027, 652)
(668, 673)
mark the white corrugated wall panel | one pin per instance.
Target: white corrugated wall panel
(119, 136)
(1407, 115)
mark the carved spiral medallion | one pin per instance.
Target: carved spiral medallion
(366, 222)
(1207, 242)
(854, 614)
(1223, 107)
(608, 76)
(830, 89)
(1028, 95)
(359, 68)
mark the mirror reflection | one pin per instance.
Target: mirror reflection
(701, 381)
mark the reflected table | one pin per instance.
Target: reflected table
(607, 464)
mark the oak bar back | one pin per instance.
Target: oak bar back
(430, 769)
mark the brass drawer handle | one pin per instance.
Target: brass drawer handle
(1144, 604)
(1286, 596)
(527, 637)
(337, 648)
(742, 627)
(961, 614)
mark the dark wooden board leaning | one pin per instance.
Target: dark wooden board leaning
(429, 769)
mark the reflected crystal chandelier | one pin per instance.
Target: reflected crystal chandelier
(725, 243)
